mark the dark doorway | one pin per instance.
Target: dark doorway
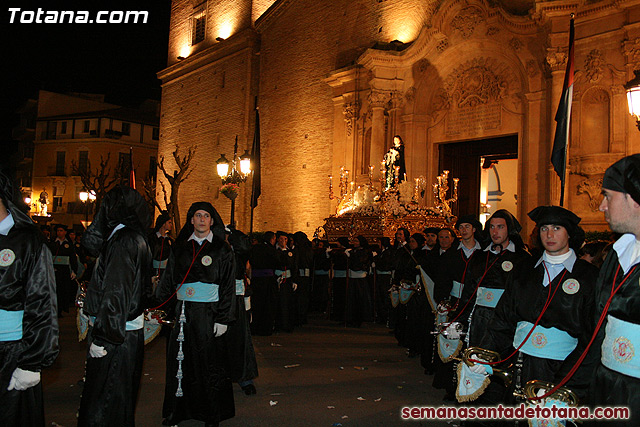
(462, 159)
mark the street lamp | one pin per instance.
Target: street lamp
(87, 197)
(633, 97)
(232, 177)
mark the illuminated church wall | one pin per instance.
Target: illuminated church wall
(472, 71)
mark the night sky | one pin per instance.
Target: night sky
(118, 60)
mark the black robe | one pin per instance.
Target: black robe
(264, 304)
(302, 296)
(453, 266)
(488, 270)
(64, 261)
(285, 320)
(26, 283)
(119, 291)
(320, 282)
(208, 395)
(611, 388)
(339, 261)
(359, 308)
(524, 299)
(382, 304)
(242, 358)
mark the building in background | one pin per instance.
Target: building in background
(460, 81)
(81, 129)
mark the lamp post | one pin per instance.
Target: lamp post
(231, 176)
(87, 197)
(633, 97)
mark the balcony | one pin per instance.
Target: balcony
(56, 171)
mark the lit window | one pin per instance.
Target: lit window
(198, 26)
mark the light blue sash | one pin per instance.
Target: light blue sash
(61, 260)
(132, 325)
(303, 272)
(381, 272)
(546, 343)
(11, 325)
(359, 274)
(619, 347)
(160, 264)
(322, 272)
(283, 273)
(239, 287)
(340, 273)
(456, 290)
(488, 297)
(198, 292)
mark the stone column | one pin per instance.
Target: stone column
(378, 101)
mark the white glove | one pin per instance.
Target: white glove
(219, 329)
(22, 380)
(97, 351)
(451, 332)
(347, 252)
(294, 286)
(442, 308)
(478, 368)
(247, 303)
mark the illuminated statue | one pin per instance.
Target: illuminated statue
(395, 170)
(43, 200)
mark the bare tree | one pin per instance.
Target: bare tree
(174, 180)
(100, 181)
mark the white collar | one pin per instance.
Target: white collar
(567, 259)
(118, 227)
(474, 247)
(60, 240)
(627, 248)
(511, 247)
(6, 224)
(209, 237)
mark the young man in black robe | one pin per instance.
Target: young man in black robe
(201, 271)
(28, 314)
(304, 262)
(451, 277)
(263, 260)
(550, 340)
(287, 276)
(383, 271)
(339, 267)
(320, 283)
(488, 273)
(65, 265)
(617, 376)
(160, 242)
(359, 308)
(117, 295)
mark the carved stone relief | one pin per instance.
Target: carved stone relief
(492, 31)
(350, 111)
(556, 58)
(594, 64)
(467, 21)
(475, 82)
(442, 45)
(379, 98)
(410, 94)
(423, 65)
(591, 187)
(631, 51)
(515, 44)
(532, 68)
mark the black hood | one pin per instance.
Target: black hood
(121, 205)
(217, 227)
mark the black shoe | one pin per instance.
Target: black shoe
(249, 389)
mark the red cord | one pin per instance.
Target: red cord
(185, 276)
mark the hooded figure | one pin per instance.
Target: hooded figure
(487, 273)
(616, 380)
(160, 243)
(304, 264)
(359, 307)
(116, 298)
(201, 272)
(28, 321)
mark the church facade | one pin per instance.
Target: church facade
(460, 80)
